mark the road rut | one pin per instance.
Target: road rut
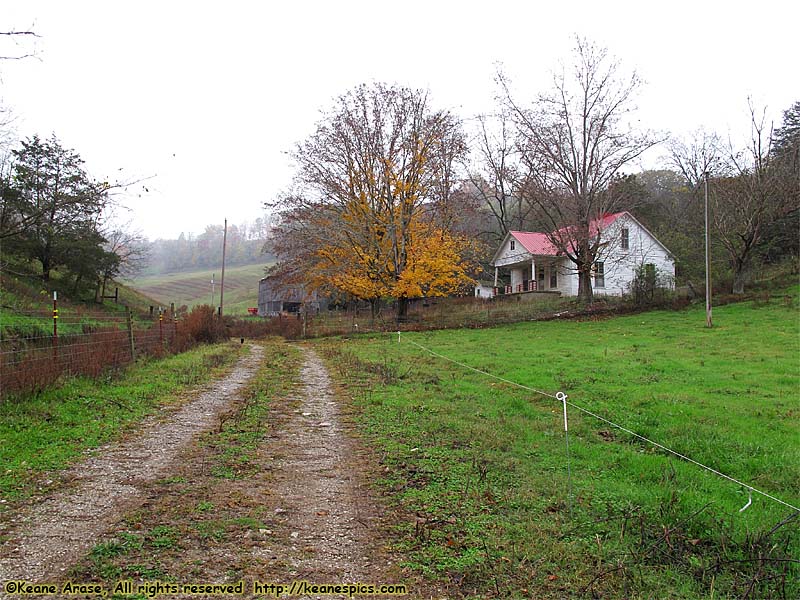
(52, 535)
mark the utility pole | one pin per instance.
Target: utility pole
(708, 267)
(212, 291)
(222, 281)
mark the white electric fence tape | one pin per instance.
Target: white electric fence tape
(561, 397)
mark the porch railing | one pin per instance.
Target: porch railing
(525, 286)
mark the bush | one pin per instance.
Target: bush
(290, 328)
(650, 286)
(200, 326)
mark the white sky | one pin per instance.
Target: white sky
(209, 96)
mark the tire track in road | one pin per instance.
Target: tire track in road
(45, 540)
(328, 513)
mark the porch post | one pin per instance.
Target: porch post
(533, 274)
(495, 276)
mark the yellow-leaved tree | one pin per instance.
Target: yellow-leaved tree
(363, 220)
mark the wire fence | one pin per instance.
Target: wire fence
(39, 348)
(463, 313)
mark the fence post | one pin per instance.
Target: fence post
(55, 325)
(563, 397)
(130, 334)
(161, 326)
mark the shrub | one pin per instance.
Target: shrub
(290, 328)
(200, 326)
(650, 286)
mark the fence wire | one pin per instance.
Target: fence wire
(30, 362)
(750, 488)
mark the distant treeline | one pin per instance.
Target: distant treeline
(244, 246)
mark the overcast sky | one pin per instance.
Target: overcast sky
(208, 97)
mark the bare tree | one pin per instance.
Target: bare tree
(131, 249)
(574, 142)
(494, 175)
(701, 154)
(755, 195)
(448, 149)
(16, 37)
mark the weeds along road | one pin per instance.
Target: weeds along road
(51, 536)
(259, 478)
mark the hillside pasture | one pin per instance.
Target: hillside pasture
(486, 497)
(194, 287)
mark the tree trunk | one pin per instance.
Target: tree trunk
(585, 292)
(402, 309)
(738, 282)
(45, 269)
(373, 309)
(740, 265)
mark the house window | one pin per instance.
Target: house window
(553, 277)
(512, 244)
(599, 275)
(625, 238)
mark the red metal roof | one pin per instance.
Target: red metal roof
(539, 243)
(535, 243)
(605, 222)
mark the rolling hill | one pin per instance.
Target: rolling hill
(194, 287)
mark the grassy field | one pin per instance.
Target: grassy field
(194, 287)
(47, 431)
(478, 473)
(26, 308)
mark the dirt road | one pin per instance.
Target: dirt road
(303, 511)
(52, 535)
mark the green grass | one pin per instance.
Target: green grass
(235, 445)
(478, 472)
(46, 431)
(194, 287)
(26, 308)
(197, 509)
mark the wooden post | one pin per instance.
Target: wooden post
(130, 334)
(161, 325)
(709, 323)
(222, 280)
(55, 325)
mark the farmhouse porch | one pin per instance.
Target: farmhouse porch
(536, 274)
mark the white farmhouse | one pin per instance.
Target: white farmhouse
(535, 265)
